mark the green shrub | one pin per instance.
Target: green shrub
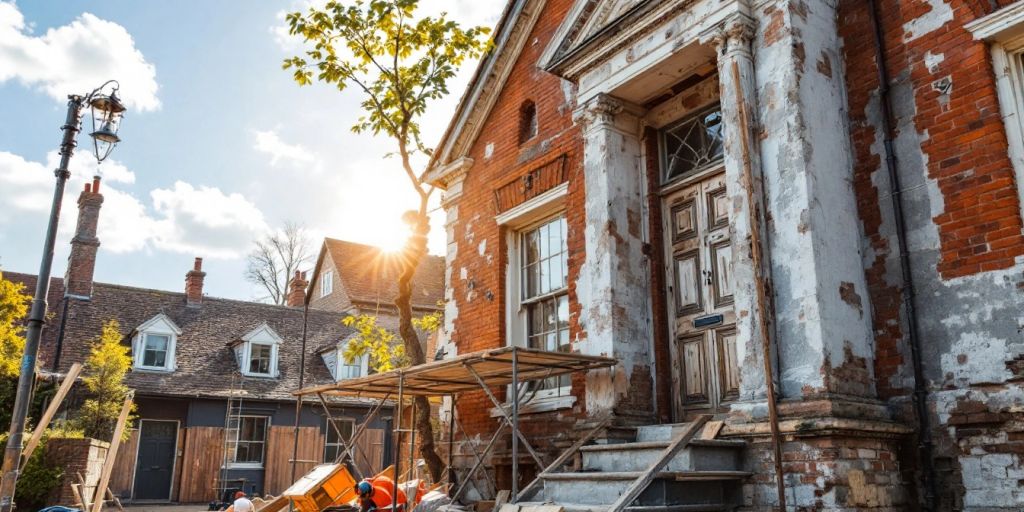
(37, 481)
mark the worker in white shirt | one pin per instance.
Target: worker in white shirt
(242, 504)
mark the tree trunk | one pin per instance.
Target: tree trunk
(415, 250)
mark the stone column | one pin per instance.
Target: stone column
(744, 188)
(822, 314)
(613, 286)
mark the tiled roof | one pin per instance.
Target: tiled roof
(206, 365)
(370, 275)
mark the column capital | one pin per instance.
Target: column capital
(733, 35)
(600, 110)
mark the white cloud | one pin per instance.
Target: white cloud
(199, 221)
(270, 143)
(75, 58)
(205, 221)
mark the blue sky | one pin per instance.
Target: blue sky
(219, 144)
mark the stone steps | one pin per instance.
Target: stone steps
(704, 476)
(699, 456)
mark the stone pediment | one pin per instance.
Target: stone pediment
(586, 20)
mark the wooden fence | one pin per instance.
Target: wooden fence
(204, 455)
(278, 466)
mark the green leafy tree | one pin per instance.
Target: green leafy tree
(13, 306)
(399, 63)
(104, 374)
(386, 352)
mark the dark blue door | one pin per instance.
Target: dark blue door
(154, 468)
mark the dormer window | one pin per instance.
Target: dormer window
(155, 348)
(260, 358)
(257, 352)
(527, 121)
(154, 343)
(334, 359)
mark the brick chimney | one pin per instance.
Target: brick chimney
(297, 290)
(82, 260)
(194, 284)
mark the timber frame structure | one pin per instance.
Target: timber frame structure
(512, 367)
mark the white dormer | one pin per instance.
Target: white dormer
(154, 344)
(257, 352)
(334, 359)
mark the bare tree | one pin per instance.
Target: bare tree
(274, 260)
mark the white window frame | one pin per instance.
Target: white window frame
(159, 325)
(339, 446)
(232, 464)
(519, 220)
(1004, 31)
(262, 335)
(363, 364)
(326, 283)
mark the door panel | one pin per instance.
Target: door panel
(154, 468)
(701, 282)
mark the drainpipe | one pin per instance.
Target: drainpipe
(920, 395)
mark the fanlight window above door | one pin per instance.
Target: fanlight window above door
(692, 145)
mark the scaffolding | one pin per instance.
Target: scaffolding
(511, 367)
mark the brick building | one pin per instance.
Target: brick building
(696, 186)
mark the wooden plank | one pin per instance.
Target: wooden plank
(122, 478)
(277, 474)
(633, 491)
(58, 399)
(108, 462)
(711, 430)
(204, 452)
(179, 462)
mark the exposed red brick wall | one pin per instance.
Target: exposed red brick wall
(965, 151)
(824, 473)
(659, 297)
(82, 259)
(480, 297)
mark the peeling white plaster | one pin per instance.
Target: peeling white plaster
(932, 60)
(940, 14)
(482, 248)
(984, 359)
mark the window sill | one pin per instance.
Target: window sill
(258, 375)
(152, 369)
(539, 405)
(243, 465)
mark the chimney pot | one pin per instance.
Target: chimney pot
(194, 284)
(95, 185)
(88, 188)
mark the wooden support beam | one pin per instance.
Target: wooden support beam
(108, 463)
(633, 491)
(44, 422)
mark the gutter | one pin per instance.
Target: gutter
(925, 446)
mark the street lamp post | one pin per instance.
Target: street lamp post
(106, 112)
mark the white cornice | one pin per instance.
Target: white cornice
(1005, 23)
(442, 177)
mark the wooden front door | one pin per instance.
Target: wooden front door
(154, 470)
(699, 270)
